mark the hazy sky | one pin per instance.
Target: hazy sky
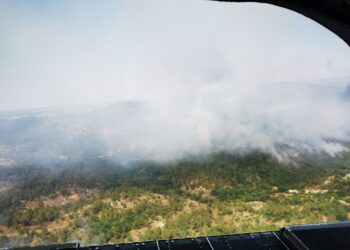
(73, 52)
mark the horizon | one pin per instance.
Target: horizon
(334, 82)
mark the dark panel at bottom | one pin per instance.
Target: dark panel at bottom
(326, 236)
(320, 236)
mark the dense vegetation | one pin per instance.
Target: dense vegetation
(98, 202)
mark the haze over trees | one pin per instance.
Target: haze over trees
(99, 202)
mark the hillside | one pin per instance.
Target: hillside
(99, 202)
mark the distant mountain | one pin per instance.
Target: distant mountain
(48, 136)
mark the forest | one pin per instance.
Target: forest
(98, 202)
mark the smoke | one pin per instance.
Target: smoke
(283, 119)
(175, 78)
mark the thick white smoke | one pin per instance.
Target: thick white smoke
(284, 119)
